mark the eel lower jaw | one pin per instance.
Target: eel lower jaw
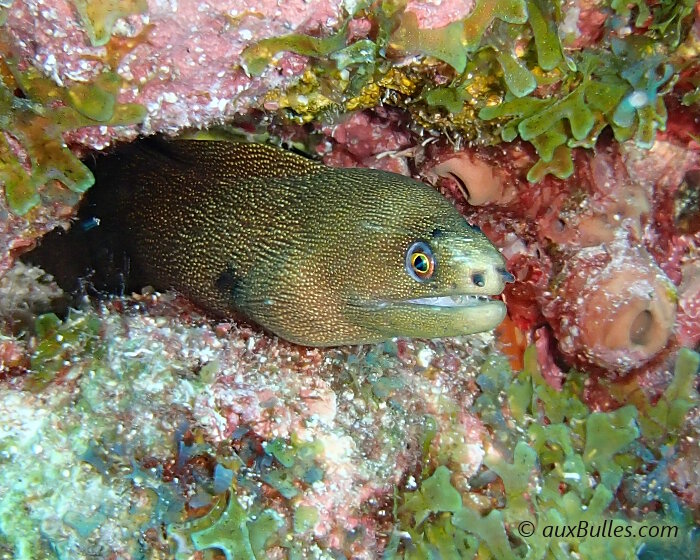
(433, 317)
(466, 313)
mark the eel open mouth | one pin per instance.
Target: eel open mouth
(456, 300)
(436, 316)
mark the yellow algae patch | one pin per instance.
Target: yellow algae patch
(99, 16)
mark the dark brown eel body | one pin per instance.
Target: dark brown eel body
(317, 255)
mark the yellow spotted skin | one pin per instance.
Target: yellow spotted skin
(314, 254)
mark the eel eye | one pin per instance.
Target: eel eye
(420, 263)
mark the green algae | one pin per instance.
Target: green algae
(451, 98)
(607, 435)
(565, 472)
(444, 44)
(264, 531)
(281, 451)
(227, 530)
(490, 530)
(571, 108)
(517, 77)
(624, 9)
(516, 477)
(20, 193)
(484, 14)
(621, 89)
(519, 80)
(621, 86)
(256, 57)
(691, 97)
(509, 74)
(99, 16)
(561, 165)
(660, 422)
(642, 106)
(438, 498)
(665, 418)
(663, 20)
(247, 533)
(670, 17)
(436, 494)
(305, 519)
(298, 462)
(57, 340)
(35, 113)
(543, 20)
(91, 102)
(283, 482)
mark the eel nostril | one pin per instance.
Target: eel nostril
(507, 276)
(478, 279)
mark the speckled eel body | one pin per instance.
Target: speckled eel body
(317, 255)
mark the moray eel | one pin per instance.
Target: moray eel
(316, 255)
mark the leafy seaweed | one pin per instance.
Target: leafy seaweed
(444, 43)
(35, 112)
(256, 57)
(56, 339)
(99, 16)
(226, 529)
(507, 67)
(564, 472)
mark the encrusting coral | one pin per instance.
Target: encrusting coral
(137, 427)
(372, 452)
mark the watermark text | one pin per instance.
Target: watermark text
(607, 529)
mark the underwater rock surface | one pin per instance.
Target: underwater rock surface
(153, 406)
(137, 427)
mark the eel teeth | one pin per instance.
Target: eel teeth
(462, 300)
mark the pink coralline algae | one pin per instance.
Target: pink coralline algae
(186, 71)
(137, 425)
(374, 140)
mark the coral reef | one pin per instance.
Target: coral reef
(226, 440)
(310, 442)
(604, 260)
(136, 427)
